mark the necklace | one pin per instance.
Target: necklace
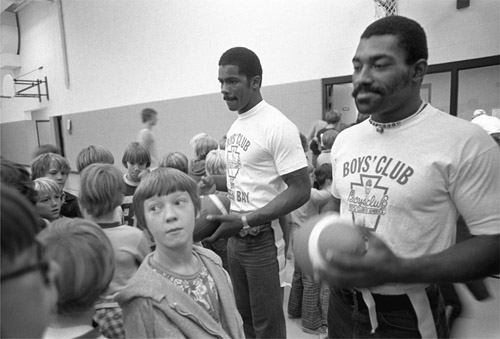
(380, 126)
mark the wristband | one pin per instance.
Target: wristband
(246, 227)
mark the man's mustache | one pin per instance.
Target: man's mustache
(367, 88)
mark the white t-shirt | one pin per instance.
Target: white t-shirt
(262, 144)
(488, 123)
(410, 183)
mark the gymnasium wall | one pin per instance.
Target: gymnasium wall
(179, 120)
(124, 56)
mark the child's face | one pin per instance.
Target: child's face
(49, 206)
(134, 169)
(57, 175)
(170, 219)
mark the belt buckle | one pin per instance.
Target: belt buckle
(243, 233)
(253, 231)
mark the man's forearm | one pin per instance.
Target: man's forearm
(469, 260)
(284, 203)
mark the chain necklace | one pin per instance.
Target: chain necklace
(380, 126)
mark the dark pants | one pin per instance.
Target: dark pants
(254, 270)
(348, 315)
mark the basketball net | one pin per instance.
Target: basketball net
(385, 8)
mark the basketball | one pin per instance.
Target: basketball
(213, 204)
(326, 233)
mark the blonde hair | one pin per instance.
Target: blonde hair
(328, 138)
(195, 138)
(204, 145)
(46, 186)
(215, 162)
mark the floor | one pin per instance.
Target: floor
(479, 319)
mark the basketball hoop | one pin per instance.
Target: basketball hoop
(385, 8)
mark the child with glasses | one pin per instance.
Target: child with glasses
(49, 199)
(28, 292)
(180, 290)
(86, 259)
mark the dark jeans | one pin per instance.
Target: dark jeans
(348, 318)
(254, 271)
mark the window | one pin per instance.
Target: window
(455, 87)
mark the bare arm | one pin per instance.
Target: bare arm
(472, 259)
(295, 195)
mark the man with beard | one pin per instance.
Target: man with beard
(404, 176)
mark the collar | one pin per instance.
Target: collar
(252, 110)
(130, 182)
(109, 224)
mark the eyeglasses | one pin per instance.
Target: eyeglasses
(42, 264)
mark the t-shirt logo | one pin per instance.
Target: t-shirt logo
(367, 201)
(233, 164)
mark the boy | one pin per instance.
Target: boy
(49, 199)
(180, 290)
(101, 191)
(28, 293)
(97, 154)
(146, 136)
(201, 148)
(176, 160)
(327, 140)
(57, 168)
(136, 159)
(85, 255)
(308, 298)
(215, 164)
(93, 154)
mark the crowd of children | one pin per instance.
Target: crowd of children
(125, 244)
(104, 237)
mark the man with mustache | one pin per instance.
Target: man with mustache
(426, 168)
(266, 178)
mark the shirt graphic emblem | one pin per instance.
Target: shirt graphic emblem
(367, 201)
(233, 164)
